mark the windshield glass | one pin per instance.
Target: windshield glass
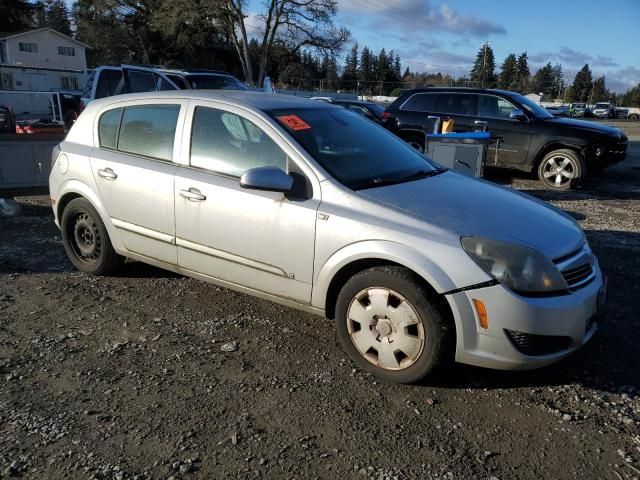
(602, 105)
(532, 107)
(355, 151)
(214, 82)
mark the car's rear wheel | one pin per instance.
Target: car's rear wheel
(390, 326)
(415, 140)
(634, 116)
(561, 169)
(86, 240)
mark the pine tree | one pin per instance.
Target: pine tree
(582, 85)
(350, 73)
(543, 81)
(15, 15)
(522, 77)
(509, 73)
(482, 73)
(53, 14)
(366, 68)
(599, 92)
(558, 80)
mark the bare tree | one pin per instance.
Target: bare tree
(294, 23)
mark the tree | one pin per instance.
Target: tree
(53, 14)
(523, 73)
(558, 80)
(15, 15)
(366, 68)
(482, 73)
(296, 24)
(508, 73)
(599, 91)
(543, 81)
(350, 73)
(582, 85)
(632, 97)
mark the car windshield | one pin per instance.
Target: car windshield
(602, 105)
(214, 82)
(532, 107)
(355, 151)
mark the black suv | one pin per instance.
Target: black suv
(527, 136)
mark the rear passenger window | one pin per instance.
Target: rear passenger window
(108, 128)
(149, 130)
(456, 104)
(226, 143)
(110, 83)
(421, 102)
(140, 81)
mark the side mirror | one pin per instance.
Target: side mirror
(267, 86)
(270, 179)
(517, 114)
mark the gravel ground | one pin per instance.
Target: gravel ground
(152, 375)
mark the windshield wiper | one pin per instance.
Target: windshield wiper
(382, 182)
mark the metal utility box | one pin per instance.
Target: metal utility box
(465, 153)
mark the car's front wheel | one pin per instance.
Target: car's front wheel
(390, 326)
(86, 240)
(561, 169)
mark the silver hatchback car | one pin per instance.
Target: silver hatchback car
(315, 207)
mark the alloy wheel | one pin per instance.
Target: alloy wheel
(558, 171)
(385, 328)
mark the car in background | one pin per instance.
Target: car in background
(528, 137)
(558, 111)
(579, 109)
(604, 110)
(315, 207)
(371, 110)
(107, 81)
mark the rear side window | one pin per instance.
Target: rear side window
(88, 86)
(108, 128)
(149, 130)
(456, 104)
(226, 143)
(110, 83)
(140, 81)
(421, 102)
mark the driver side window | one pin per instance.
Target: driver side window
(495, 107)
(225, 143)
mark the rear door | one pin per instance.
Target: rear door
(133, 167)
(514, 135)
(461, 107)
(416, 111)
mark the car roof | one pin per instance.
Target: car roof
(247, 99)
(460, 89)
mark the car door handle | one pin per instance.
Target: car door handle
(193, 194)
(107, 173)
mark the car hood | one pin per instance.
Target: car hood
(471, 207)
(585, 125)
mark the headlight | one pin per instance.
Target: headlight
(522, 269)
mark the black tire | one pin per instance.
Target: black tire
(416, 140)
(634, 116)
(86, 240)
(9, 208)
(559, 181)
(438, 347)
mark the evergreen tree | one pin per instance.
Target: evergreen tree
(329, 72)
(350, 73)
(558, 81)
(483, 71)
(366, 69)
(582, 85)
(509, 73)
(632, 97)
(523, 73)
(53, 14)
(599, 92)
(15, 15)
(543, 81)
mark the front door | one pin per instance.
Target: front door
(514, 135)
(134, 171)
(256, 239)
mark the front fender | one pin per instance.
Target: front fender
(378, 250)
(79, 188)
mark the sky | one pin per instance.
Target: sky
(432, 35)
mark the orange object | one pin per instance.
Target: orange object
(447, 125)
(482, 313)
(294, 122)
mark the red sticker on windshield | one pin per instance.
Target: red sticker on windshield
(294, 122)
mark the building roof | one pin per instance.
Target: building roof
(5, 36)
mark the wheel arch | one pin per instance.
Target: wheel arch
(73, 189)
(354, 258)
(557, 145)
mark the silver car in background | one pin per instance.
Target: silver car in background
(312, 206)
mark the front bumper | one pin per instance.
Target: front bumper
(567, 321)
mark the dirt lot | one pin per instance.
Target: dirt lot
(124, 376)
